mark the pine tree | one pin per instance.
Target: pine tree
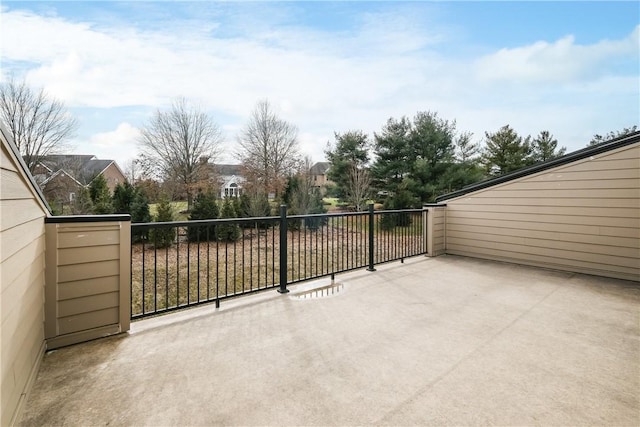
(228, 231)
(205, 206)
(100, 196)
(123, 196)
(506, 151)
(140, 213)
(545, 147)
(82, 205)
(163, 237)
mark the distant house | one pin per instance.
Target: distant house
(230, 179)
(60, 188)
(319, 174)
(82, 168)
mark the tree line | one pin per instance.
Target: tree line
(410, 161)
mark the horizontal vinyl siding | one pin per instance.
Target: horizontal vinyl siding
(582, 217)
(438, 231)
(88, 265)
(22, 245)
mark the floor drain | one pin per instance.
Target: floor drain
(321, 292)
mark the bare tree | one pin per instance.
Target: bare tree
(132, 171)
(177, 143)
(39, 124)
(358, 186)
(302, 198)
(269, 148)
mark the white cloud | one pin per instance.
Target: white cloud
(560, 61)
(321, 81)
(118, 144)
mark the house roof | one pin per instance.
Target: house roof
(540, 167)
(84, 167)
(227, 169)
(61, 172)
(320, 168)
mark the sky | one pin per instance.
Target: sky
(571, 68)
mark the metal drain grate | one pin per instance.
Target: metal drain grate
(321, 292)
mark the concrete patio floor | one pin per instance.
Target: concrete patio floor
(442, 341)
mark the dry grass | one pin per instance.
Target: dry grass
(191, 272)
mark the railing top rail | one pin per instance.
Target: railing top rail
(397, 211)
(142, 225)
(204, 222)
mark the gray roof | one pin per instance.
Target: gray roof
(320, 168)
(227, 169)
(83, 167)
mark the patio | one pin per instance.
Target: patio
(433, 341)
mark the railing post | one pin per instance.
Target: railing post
(371, 230)
(283, 250)
(426, 235)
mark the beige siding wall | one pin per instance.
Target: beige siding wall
(113, 176)
(22, 247)
(87, 281)
(436, 231)
(582, 217)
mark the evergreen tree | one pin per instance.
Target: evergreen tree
(205, 206)
(163, 237)
(545, 147)
(100, 196)
(416, 156)
(599, 139)
(140, 207)
(506, 151)
(82, 205)
(351, 149)
(227, 230)
(140, 213)
(254, 203)
(123, 196)
(393, 159)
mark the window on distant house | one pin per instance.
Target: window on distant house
(72, 197)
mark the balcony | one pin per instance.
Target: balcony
(549, 334)
(442, 341)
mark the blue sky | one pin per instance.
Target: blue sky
(572, 68)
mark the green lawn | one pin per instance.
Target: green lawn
(178, 207)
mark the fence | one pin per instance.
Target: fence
(181, 264)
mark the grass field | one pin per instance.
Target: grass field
(191, 272)
(178, 207)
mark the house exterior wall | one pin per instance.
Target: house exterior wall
(583, 216)
(435, 228)
(60, 190)
(22, 277)
(113, 176)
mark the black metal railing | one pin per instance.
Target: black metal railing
(181, 264)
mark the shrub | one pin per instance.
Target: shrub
(205, 206)
(100, 196)
(402, 200)
(140, 213)
(228, 231)
(123, 196)
(165, 236)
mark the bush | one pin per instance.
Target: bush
(140, 213)
(165, 236)
(228, 231)
(100, 196)
(254, 205)
(205, 206)
(402, 200)
(123, 197)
